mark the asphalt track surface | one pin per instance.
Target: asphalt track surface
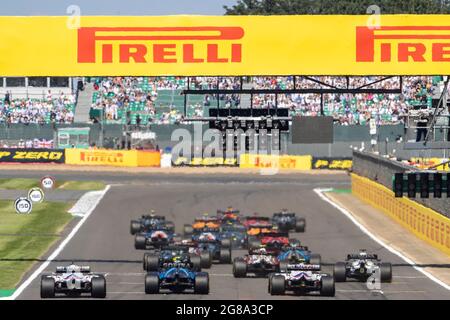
(105, 244)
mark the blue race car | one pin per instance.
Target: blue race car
(288, 221)
(297, 254)
(150, 222)
(177, 276)
(210, 240)
(157, 238)
(237, 234)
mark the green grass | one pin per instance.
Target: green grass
(18, 184)
(25, 238)
(342, 190)
(25, 184)
(81, 185)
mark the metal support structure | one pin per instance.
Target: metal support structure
(321, 105)
(436, 111)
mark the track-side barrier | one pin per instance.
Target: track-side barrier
(331, 163)
(117, 158)
(251, 161)
(424, 222)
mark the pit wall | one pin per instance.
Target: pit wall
(382, 170)
(424, 222)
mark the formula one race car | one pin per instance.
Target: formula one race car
(210, 240)
(171, 254)
(73, 280)
(302, 278)
(177, 279)
(194, 249)
(287, 221)
(273, 238)
(200, 224)
(295, 253)
(255, 221)
(150, 222)
(259, 261)
(229, 215)
(362, 266)
(157, 238)
(236, 233)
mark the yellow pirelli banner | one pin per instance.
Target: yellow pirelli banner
(424, 222)
(225, 45)
(254, 161)
(116, 158)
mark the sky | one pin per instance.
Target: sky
(114, 7)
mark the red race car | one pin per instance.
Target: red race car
(261, 222)
(274, 239)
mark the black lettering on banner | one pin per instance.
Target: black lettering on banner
(32, 156)
(332, 163)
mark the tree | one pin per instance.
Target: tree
(286, 7)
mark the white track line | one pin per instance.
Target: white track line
(57, 251)
(320, 193)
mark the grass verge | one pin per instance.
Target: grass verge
(26, 184)
(25, 238)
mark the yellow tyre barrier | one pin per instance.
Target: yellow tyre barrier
(424, 222)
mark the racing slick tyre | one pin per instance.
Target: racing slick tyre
(139, 242)
(239, 268)
(277, 285)
(206, 259)
(135, 227)
(47, 287)
(327, 288)
(225, 243)
(386, 272)
(315, 259)
(201, 284)
(197, 263)
(188, 230)
(254, 244)
(144, 261)
(300, 225)
(340, 272)
(151, 262)
(98, 287)
(152, 283)
(225, 255)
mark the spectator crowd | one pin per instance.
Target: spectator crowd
(49, 109)
(159, 100)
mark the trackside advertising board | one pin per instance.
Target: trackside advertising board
(32, 156)
(225, 45)
(116, 158)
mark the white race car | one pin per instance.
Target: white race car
(73, 280)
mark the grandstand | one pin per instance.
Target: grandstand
(160, 100)
(41, 100)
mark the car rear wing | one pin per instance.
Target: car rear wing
(276, 234)
(257, 218)
(303, 267)
(228, 211)
(148, 217)
(281, 214)
(82, 269)
(358, 256)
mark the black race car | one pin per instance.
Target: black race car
(150, 222)
(362, 266)
(154, 261)
(288, 221)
